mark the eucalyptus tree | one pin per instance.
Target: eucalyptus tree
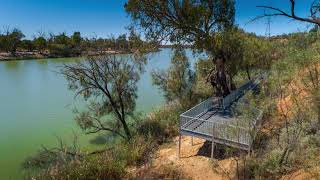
(27, 45)
(76, 39)
(2, 39)
(195, 22)
(11, 40)
(111, 81)
(258, 54)
(40, 43)
(122, 42)
(134, 39)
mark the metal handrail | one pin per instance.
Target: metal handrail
(195, 122)
(199, 119)
(203, 102)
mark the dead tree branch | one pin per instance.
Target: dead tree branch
(313, 18)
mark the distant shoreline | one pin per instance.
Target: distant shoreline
(25, 55)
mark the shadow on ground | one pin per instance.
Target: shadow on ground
(221, 152)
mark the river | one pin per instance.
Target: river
(36, 107)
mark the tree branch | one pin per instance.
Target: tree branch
(292, 15)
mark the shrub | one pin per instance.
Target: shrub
(98, 167)
(264, 167)
(154, 129)
(110, 164)
(167, 172)
(138, 151)
(162, 124)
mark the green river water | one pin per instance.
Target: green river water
(36, 106)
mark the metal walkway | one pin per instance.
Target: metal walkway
(214, 120)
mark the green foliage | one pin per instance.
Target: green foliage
(106, 164)
(293, 142)
(196, 23)
(162, 124)
(258, 54)
(182, 21)
(112, 82)
(230, 44)
(40, 43)
(76, 39)
(11, 40)
(209, 27)
(102, 167)
(167, 172)
(177, 83)
(27, 45)
(62, 45)
(266, 167)
(121, 41)
(138, 151)
(202, 87)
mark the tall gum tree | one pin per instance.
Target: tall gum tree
(195, 22)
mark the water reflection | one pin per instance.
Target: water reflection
(12, 65)
(42, 61)
(106, 138)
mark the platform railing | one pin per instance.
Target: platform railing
(238, 93)
(195, 112)
(201, 107)
(235, 95)
(221, 131)
(234, 131)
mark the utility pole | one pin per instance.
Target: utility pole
(268, 29)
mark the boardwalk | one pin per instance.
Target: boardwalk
(214, 120)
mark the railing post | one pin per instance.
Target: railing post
(179, 135)
(191, 140)
(212, 142)
(179, 145)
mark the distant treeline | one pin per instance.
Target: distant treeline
(14, 43)
(174, 46)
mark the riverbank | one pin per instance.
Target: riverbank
(38, 55)
(26, 55)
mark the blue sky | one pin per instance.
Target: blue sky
(105, 17)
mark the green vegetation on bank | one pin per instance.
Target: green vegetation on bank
(14, 45)
(290, 140)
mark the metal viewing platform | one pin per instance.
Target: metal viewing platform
(215, 120)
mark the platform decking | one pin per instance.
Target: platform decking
(214, 120)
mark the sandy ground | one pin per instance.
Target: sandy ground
(296, 176)
(193, 164)
(190, 163)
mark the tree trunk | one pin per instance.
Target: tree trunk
(317, 103)
(126, 129)
(221, 79)
(283, 156)
(248, 73)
